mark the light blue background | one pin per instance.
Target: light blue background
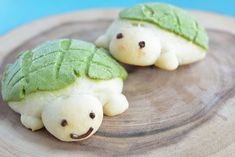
(14, 13)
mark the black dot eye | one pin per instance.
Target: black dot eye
(119, 36)
(141, 44)
(92, 115)
(63, 122)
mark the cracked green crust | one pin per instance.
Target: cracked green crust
(55, 65)
(170, 18)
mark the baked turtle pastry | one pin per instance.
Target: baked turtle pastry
(155, 34)
(65, 85)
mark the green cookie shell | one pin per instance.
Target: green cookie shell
(55, 65)
(170, 18)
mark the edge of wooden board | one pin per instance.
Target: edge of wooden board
(17, 36)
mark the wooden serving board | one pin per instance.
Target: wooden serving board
(187, 112)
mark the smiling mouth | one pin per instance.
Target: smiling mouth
(76, 136)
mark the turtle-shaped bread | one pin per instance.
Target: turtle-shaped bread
(65, 85)
(155, 34)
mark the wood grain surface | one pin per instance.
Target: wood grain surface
(187, 112)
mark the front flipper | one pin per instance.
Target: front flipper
(103, 41)
(167, 61)
(116, 105)
(30, 122)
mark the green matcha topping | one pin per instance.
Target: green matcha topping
(55, 65)
(170, 18)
